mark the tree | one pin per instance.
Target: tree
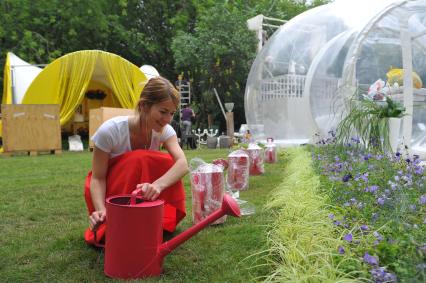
(217, 55)
(220, 50)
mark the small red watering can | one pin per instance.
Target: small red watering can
(134, 237)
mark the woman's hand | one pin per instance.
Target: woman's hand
(96, 218)
(150, 191)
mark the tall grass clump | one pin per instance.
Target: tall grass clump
(370, 121)
(303, 245)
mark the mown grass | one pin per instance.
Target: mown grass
(43, 216)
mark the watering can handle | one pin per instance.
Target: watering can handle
(135, 193)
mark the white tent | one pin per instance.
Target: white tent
(20, 74)
(312, 65)
(149, 71)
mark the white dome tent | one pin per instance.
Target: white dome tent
(297, 82)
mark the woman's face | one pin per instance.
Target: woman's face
(161, 114)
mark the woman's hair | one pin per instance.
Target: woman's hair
(157, 90)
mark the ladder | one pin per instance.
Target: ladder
(184, 88)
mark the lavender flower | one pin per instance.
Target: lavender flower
(368, 156)
(346, 177)
(331, 216)
(364, 228)
(341, 250)
(422, 199)
(380, 275)
(371, 189)
(381, 201)
(370, 259)
(412, 207)
(348, 237)
(378, 236)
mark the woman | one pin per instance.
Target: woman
(126, 157)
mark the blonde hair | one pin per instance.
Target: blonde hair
(158, 90)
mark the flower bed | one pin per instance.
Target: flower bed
(378, 203)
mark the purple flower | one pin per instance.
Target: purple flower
(337, 223)
(422, 199)
(381, 201)
(370, 259)
(346, 177)
(331, 216)
(371, 189)
(364, 228)
(341, 250)
(419, 170)
(379, 274)
(378, 236)
(348, 237)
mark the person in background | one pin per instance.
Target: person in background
(126, 156)
(187, 116)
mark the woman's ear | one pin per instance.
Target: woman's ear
(143, 108)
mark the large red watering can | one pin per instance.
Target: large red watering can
(134, 236)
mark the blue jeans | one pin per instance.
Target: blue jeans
(186, 130)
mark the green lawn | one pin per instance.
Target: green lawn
(43, 216)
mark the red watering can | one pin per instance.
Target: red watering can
(134, 236)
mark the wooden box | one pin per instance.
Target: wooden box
(33, 128)
(99, 115)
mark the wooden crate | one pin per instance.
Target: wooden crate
(31, 128)
(99, 115)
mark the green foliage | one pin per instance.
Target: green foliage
(206, 40)
(377, 199)
(217, 55)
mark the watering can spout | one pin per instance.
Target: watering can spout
(229, 207)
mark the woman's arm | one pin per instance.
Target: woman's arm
(174, 174)
(98, 186)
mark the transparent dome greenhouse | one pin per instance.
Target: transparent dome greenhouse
(300, 79)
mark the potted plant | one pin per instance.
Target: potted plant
(373, 122)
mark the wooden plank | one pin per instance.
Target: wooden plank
(99, 115)
(33, 128)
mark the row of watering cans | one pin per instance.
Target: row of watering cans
(135, 251)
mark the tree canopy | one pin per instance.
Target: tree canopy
(207, 41)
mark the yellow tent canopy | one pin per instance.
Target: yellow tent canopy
(66, 80)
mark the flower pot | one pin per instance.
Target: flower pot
(394, 129)
(211, 142)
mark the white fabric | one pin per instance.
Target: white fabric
(113, 136)
(75, 143)
(149, 71)
(23, 74)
